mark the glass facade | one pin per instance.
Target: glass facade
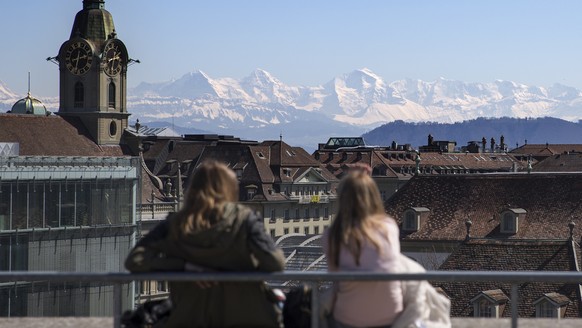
(27, 205)
(68, 214)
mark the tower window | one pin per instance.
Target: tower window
(79, 95)
(112, 128)
(111, 95)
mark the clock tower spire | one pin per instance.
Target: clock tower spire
(93, 74)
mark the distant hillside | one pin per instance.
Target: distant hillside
(515, 131)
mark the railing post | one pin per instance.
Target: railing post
(514, 301)
(314, 304)
(117, 305)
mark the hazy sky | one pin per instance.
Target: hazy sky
(308, 42)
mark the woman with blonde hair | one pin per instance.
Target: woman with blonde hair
(212, 233)
(363, 238)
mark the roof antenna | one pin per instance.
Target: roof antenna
(29, 84)
(281, 136)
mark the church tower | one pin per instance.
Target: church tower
(93, 74)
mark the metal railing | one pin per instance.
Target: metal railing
(312, 278)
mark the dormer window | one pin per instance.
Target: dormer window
(251, 191)
(413, 217)
(551, 305)
(287, 172)
(510, 220)
(410, 221)
(489, 303)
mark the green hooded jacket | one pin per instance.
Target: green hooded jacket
(237, 242)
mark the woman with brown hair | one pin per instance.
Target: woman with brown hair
(214, 233)
(363, 238)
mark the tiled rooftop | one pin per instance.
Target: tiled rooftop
(513, 255)
(550, 200)
(52, 136)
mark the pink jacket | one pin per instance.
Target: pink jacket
(374, 303)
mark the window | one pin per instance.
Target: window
(111, 95)
(306, 230)
(316, 230)
(161, 286)
(484, 309)
(297, 216)
(79, 95)
(296, 230)
(326, 213)
(112, 128)
(250, 194)
(317, 213)
(306, 213)
(508, 222)
(410, 222)
(286, 231)
(273, 214)
(272, 233)
(545, 309)
(287, 214)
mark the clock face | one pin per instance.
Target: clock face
(79, 57)
(112, 58)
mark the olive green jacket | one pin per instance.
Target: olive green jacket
(237, 242)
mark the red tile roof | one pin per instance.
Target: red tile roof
(512, 255)
(571, 162)
(550, 200)
(51, 136)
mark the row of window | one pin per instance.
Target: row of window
(153, 287)
(80, 95)
(484, 308)
(305, 231)
(509, 219)
(306, 214)
(43, 204)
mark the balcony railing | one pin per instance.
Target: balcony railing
(313, 278)
(157, 210)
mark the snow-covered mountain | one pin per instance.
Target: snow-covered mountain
(261, 106)
(359, 98)
(5, 93)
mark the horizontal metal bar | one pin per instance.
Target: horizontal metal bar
(442, 276)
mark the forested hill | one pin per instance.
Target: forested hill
(515, 131)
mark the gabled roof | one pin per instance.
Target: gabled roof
(262, 165)
(546, 149)
(52, 136)
(512, 255)
(551, 202)
(556, 298)
(495, 296)
(571, 162)
(402, 163)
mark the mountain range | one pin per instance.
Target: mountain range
(260, 106)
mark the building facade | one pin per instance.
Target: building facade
(74, 214)
(68, 182)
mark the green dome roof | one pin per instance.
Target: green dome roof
(93, 22)
(30, 105)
